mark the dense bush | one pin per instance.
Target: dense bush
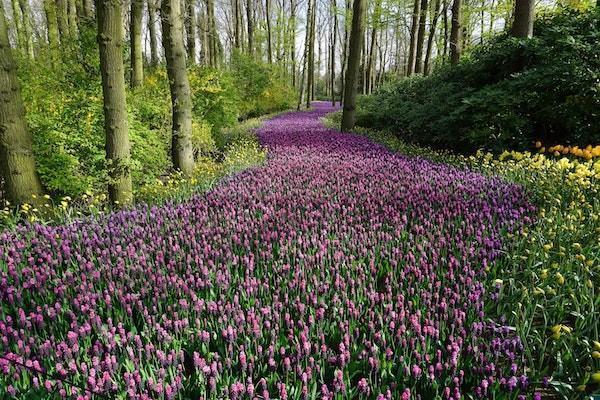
(507, 93)
(64, 110)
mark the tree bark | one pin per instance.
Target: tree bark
(522, 26)
(51, 24)
(135, 37)
(269, 38)
(436, 15)
(421, 37)
(345, 51)
(62, 18)
(190, 27)
(311, 51)
(305, 58)
(293, 39)
(236, 34)
(172, 38)
(17, 163)
(250, 22)
(115, 110)
(27, 26)
(413, 38)
(333, 43)
(72, 18)
(152, 32)
(356, 37)
(456, 33)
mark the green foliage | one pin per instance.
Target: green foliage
(262, 87)
(506, 94)
(63, 97)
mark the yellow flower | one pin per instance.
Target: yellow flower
(596, 377)
(596, 354)
(596, 345)
(580, 388)
(560, 279)
(544, 273)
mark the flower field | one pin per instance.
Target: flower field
(338, 269)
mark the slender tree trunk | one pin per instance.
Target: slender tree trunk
(203, 35)
(72, 18)
(62, 18)
(115, 110)
(414, 27)
(293, 39)
(456, 32)
(17, 163)
(154, 56)
(311, 50)
(250, 22)
(306, 58)
(190, 27)
(356, 37)
(212, 33)
(345, 50)
(18, 24)
(522, 26)
(421, 37)
(446, 30)
(172, 38)
(269, 38)
(51, 24)
(135, 37)
(436, 14)
(27, 26)
(237, 42)
(333, 44)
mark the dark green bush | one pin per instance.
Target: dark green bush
(505, 94)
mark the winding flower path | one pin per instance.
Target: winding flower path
(336, 269)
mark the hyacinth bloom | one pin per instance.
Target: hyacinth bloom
(336, 270)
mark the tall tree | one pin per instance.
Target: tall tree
(522, 26)
(371, 56)
(237, 25)
(72, 18)
(250, 23)
(456, 32)
(135, 37)
(333, 44)
(62, 18)
(355, 45)
(17, 164)
(51, 23)
(27, 26)
(414, 29)
(118, 149)
(181, 101)
(269, 35)
(190, 30)
(311, 52)
(292, 23)
(432, 28)
(421, 37)
(347, 14)
(152, 32)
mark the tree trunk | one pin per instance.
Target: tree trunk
(27, 26)
(237, 42)
(413, 38)
(18, 25)
(72, 18)
(345, 51)
(456, 33)
(154, 57)
(250, 22)
(333, 43)
(17, 163)
(293, 39)
(311, 50)
(356, 37)
(269, 38)
(190, 27)
(522, 26)
(51, 24)
(213, 45)
(172, 38)
(436, 15)
(305, 58)
(115, 110)
(421, 37)
(135, 37)
(62, 18)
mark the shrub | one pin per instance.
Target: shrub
(506, 94)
